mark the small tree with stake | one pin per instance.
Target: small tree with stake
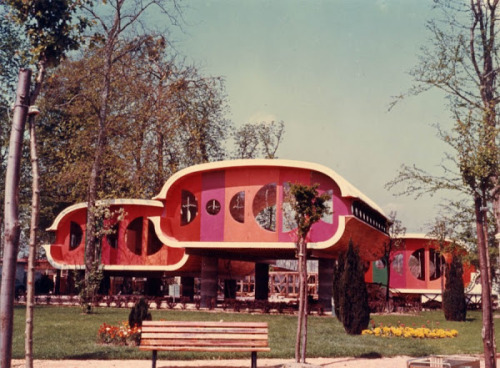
(308, 207)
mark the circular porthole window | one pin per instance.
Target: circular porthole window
(213, 207)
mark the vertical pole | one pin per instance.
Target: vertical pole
(155, 356)
(325, 282)
(254, 359)
(209, 275)
(261, 281)
(11, 213)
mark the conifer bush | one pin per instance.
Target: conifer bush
(354, 309)
(139, 313)
(454, 305)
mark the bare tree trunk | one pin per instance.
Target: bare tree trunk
(11, 231)
(301, 306)
(35, 208)
(304, 304)
(488, 331)
(301, 336)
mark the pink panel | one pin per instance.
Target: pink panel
(212, 199)
(398, 265)
(291, 176)
(323, 230)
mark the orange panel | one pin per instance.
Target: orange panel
(248, 180)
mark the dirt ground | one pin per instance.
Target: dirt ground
(395, 362)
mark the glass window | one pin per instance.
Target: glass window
(417, 264)
(75, 236)
(264, 207)
(154, 244)
(397, 263)
(328, 218)
(213, 207)
(112, 238)
(380, 264)
(134, 236)
(237, 207)
(436, 264)
(189, 207)
(288, 213)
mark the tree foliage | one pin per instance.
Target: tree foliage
(262, 139)
(462, 62)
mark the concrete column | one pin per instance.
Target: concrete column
(261, 281)
(230, 289)
(325, 282)
(209, 268)
(187, 287)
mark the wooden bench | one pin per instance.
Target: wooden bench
(204, 336)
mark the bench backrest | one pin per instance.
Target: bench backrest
(204, 336)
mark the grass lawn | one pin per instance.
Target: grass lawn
(65, 333)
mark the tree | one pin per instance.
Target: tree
(308, 207)
(51, 30)
(114, 19)
(261, 138)
(395, 242)
(353, 298)
(463, 63)
(11, 212)
(454, 305)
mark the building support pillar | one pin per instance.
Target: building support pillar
(209, 275)
(261, 281)
(187, 287)
(325, 282)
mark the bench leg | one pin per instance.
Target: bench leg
(254, 359)
(155, 355)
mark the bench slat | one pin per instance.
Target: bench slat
(204, 348)
(204, 324)
(202, 342)
(239, 330)
(207, 336)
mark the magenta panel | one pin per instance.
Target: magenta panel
(212, 206)
(398, 272)
(326, 227)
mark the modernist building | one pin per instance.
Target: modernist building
(225, 220)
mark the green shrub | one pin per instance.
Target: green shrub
(454, 305)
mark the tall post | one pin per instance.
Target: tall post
(261, 281)
(209, 275)
(325, 282)
(11, 222)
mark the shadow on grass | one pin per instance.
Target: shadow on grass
(370, 355)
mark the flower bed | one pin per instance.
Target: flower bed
(122, 334)
(401, 330)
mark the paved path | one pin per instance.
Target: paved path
(395, 362)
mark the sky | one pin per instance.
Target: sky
(329, 70)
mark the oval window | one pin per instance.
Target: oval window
(213, 207)
(134, 236)
(154, 244)
(75, 236)
(112, 237)
(436, 264)
(416, 264)
(264, 207)
(397, 264)
(237, 207)
(189, 207)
